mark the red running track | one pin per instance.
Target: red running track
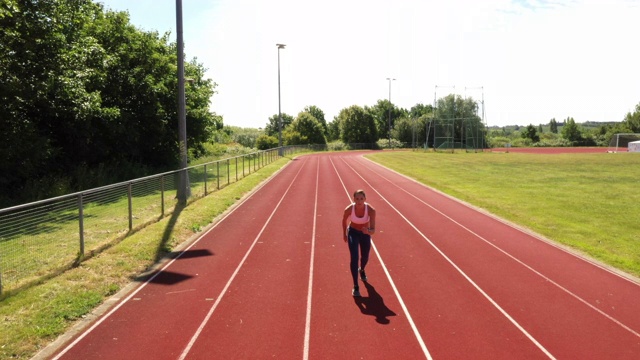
(446, 281)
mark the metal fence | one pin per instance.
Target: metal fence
(43, 238)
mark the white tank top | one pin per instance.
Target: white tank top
(358, 220)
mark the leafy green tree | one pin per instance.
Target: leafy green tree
(265, 142)
(385, 113)
(632, 120)
(333, 129)
(272, 129)
(571, 131)
(419, 110)
(530, 133)
(357, 125)
(319, 115)
(457, 118)
(83, 89)
(553, 126)
(309, 128)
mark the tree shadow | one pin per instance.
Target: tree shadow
(374, 305)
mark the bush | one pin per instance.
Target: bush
(265, 142)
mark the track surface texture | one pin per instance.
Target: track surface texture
(271, 280)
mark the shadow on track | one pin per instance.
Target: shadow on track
(374, 305)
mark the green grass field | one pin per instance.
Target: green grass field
(585, 201)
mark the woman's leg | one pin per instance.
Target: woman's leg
(365, 248)
(354, 242)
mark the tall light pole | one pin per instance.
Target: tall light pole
(390, 79)
(280, 46)
(183, 186)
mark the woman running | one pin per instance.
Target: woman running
(360, 217)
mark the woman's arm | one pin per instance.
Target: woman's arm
(345, 221)
(372, 220)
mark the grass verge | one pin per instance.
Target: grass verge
(34, 317)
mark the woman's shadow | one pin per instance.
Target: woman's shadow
(374, 305)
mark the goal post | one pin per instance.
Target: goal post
(620, 142)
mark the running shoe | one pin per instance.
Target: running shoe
(356, 291)
(363, 276)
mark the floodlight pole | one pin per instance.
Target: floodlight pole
(280, 46)
(390, 79)
(183, 186)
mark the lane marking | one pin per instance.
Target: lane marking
(495, 304)
(569, 292)
(196, 335)
(307, 327)
(162, 269)
(423, 346)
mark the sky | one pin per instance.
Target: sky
(523, 61)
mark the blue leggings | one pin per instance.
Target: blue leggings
(363, 241)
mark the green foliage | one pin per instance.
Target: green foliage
(265, 142)
(530, 133)
(571, 131)
(272, 128)
(319, 115)
(357, 125)
(385, 115)
(82, 87)
(553, 126)
(309, 128)
(333, 130)
(632, 120)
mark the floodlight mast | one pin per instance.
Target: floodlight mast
(280, 46)
(390, 79)
(183, 191)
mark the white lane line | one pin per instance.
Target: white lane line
(119, 305)
(495, 304)
(307, 327)
(195, 336)
(569, 292)
(393, 285)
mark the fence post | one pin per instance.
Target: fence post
(205, 179)
(130, 207)
(81, 223)
(236, 169)
(228, 173)
(218, 173)
(162, 194)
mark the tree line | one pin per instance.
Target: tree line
(565, 133)
(86, 98)
(370, 124)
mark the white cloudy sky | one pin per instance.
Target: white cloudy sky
(531, 60)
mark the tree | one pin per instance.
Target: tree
(419, 110)
(319, 115)
(357, 125)
(380, 112)
(531, 133)
(309, 128)
(570, 131)
(272, 128)
(457, 118)
(265, 142)
(333, 129)
(632, 120)
(82, 88)
(553, 126)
